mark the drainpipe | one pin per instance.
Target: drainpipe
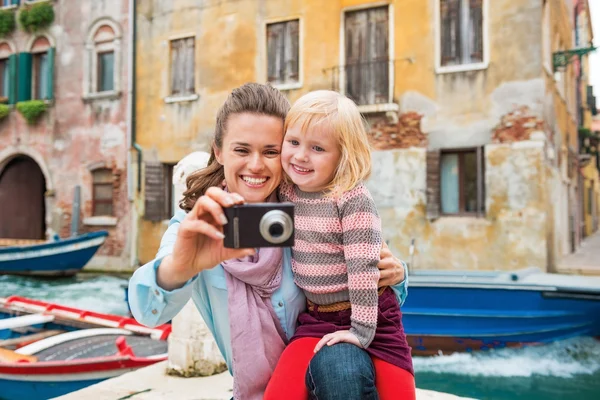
(131, 89)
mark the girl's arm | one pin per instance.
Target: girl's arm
(361, 229)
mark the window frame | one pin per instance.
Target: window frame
(93, 47)
(461, 151)
(96, 201)
(367, 108)
(441, 69)
(292, 84)
(4, 68)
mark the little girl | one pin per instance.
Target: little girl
(326, 155)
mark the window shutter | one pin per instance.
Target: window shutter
(450, 31)
(476, 31)
(154, 197)
(50, 82)
(481, 181)
(175, 67)
(433, 184)
(356, 55)
(12, 74)
(190, 86)
(274, 52)
(378, 67)
(292, 49)
(24, 77)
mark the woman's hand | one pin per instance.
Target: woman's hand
(199, 243)
(390, 268)
(338, 337)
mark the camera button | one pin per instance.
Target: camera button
(280, 304)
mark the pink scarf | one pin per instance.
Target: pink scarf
(257, 339)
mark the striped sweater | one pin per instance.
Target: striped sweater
(336, 252)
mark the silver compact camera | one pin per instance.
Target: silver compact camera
(259, 225)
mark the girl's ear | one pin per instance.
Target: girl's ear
(218, 154)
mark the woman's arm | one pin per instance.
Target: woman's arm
(150, 304)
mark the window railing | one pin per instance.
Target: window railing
(365, 82)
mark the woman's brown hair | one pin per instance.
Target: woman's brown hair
(254, 98)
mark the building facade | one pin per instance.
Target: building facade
(475, 127)
(65, 77)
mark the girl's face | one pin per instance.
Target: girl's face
(310, 159)
(251, 155)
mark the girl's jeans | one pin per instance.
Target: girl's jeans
(343, 371)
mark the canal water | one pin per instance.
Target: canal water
(565, 370)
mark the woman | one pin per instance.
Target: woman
(247, 297)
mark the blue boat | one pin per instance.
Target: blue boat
(449, 311)
(63, 257)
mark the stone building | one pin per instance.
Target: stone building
(475, 125)
(69, 61)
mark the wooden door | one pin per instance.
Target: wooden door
(22, 208)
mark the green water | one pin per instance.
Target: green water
(565, 370)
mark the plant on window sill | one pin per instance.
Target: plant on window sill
(31, 110)
(7, 22)
(36, 17)
(4, 111)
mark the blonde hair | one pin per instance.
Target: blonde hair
(345, 122)
(253, 98)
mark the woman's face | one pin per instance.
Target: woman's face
(251, 155)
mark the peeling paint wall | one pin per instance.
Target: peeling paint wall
(75, 134)
(512, 235)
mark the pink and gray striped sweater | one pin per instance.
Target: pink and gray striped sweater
(336, 252)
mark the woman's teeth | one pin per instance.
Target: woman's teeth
(254, 181)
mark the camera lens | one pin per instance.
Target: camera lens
(276, 226)
(276, 230)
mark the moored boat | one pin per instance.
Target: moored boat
(49, 350)
(62, 257)
(449, 311)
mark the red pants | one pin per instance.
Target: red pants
(287, 382)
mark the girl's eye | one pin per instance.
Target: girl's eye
(294, 142)
(319, 149)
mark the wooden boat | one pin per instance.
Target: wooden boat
(63, 257)
(47, 350)
(454, 311)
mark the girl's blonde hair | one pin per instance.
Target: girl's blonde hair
(341, 116)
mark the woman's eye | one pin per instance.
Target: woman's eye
(241, 150)
(272, 153)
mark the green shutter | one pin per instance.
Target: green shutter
(15, 2)
(50, 92)
(24, 77)
(12, 76)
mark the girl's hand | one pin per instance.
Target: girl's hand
(199, 243)
(338, 337)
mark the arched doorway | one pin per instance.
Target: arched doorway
(22, 207)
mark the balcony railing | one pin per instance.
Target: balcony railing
(366, 83)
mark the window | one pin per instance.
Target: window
(102, 192)
(283, 52)
(183, 67)
(367, 63)
(4, 78)
(461, 32)
(102, 61)
(159, 191)
(455, 182)
(40, 76)
(106, 63)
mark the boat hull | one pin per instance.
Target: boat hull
(442, 319)
(61, 258)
